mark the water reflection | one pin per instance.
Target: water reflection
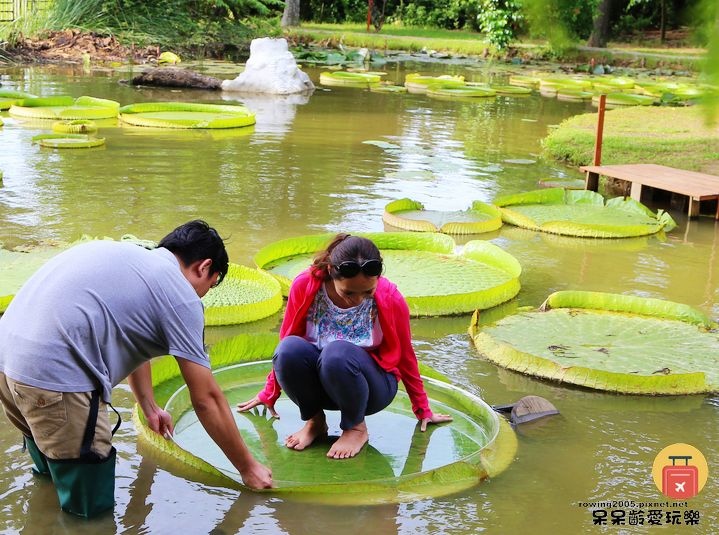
(307, 170)
(274, 113)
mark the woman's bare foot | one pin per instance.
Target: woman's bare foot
(313, 428)
(350, 442)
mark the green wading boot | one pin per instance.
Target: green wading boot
(41, 468)
(85, 486)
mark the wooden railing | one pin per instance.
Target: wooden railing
(11, 10)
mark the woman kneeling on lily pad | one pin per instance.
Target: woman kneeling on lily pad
(345, 344)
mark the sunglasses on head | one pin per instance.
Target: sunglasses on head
(350, 268)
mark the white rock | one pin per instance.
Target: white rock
(271, 69)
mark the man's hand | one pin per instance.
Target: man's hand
(257, 476)
(160, 422)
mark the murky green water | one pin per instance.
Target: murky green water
(305, 169)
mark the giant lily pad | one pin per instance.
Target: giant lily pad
(581, 213)
(399, 463)
(411, 215)
(68, 141)
(611, 342)
(9, 97)
(349, 79)
(65, 108)
(418, 83)
(186, 115)
(245, 295)
(433, 280)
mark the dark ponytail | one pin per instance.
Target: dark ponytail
(343, 248)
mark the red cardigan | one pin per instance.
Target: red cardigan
(395, 353)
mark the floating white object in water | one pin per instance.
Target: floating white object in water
(271, 69)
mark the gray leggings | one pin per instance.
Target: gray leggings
(342, 376)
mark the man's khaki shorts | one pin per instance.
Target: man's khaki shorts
(55, 420)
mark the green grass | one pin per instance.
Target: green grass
(676, 137)
(392, 38)
(402, 31)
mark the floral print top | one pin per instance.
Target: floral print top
(326, 322)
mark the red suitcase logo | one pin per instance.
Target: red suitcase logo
(680, 482)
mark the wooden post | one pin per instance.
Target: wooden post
(369, 13)
(600, 130)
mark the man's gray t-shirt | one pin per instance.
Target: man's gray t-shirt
(94, 313)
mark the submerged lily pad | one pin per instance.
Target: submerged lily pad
(608, 342)
(581, 213)
(399, 461)
(411, 215)
(186, 115)
(245, 295)
(433, 280)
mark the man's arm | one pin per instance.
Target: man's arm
(216, 417)
(141, 385)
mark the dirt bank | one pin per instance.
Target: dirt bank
(73, 46)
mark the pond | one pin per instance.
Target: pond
(305, 169)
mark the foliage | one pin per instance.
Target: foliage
(500, 20)
(194, 23)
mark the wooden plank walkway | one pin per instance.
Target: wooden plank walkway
(697, 186)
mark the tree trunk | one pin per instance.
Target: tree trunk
(600, 32)
(291, 15)
(663, 23)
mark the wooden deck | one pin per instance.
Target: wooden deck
(696, 186)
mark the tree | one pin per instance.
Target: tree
(291, 14)
(600, 32)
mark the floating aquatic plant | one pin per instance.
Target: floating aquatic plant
(604, 341)
(581, 213)
(65, 107)
(433, 279)
(186, 115)
(78, 126)
(68, 141)
(245, 295)
(399, 461)
(411, 215)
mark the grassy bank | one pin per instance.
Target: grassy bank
(391, 38)
(677, 137)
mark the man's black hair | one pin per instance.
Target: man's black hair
(196, 240)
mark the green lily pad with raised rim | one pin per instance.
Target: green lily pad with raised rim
(411, 215)
(399, 462)
(349, 79)
(64, 107)
(78, 126)
(618, 343)
(432, 278)
(9, 97)
(244, 295)
(460, 92)
(581, 213)
(186, 115)
(387, 88)
(418, 83)
(68, 141)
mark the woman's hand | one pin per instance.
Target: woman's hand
(435, 419)
(254, 402)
